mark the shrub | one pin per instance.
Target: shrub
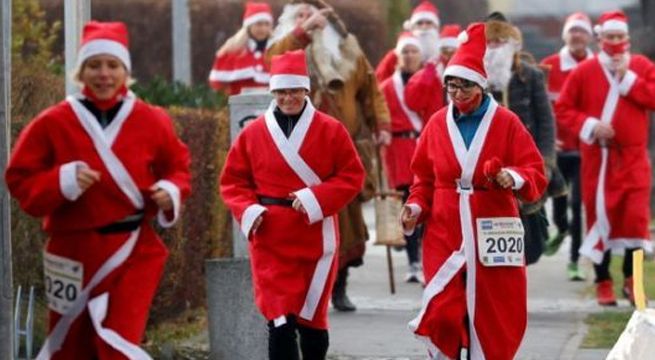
(163, 93)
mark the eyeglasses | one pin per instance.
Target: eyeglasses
(465, 87)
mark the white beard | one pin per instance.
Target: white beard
(429, 40)
(334, 55)
(329, 37)
(498, 64)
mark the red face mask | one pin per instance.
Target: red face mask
(616, 49)
(467, 106)
(105, 105)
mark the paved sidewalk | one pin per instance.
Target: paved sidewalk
(378, 329)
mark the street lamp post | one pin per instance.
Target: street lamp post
(6, 288)
(76, 14)
(181, 41)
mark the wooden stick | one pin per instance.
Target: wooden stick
(392, 283)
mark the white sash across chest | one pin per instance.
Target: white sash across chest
(289, 149)
(399, 89)
(468, 160)
(600, 230)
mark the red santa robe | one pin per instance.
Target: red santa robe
(398, 154)
(292, 254)
(387, 66)
(99, 286)
(454, 197)
(424, 92)
(616, 174)
(240, 70)
(560, 65)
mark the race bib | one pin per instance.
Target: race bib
(500, 241)
(63, 281)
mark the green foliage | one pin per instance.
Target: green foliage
(163, 93)
(397, 12)
(605, 328)
(33, 39)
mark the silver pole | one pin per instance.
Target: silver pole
(181, 41)
(6, 287)
(76, 14)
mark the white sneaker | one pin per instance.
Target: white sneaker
(415, 274)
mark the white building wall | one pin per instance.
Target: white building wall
(555, 7)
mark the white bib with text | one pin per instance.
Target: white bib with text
(63, 281)
(500, 241)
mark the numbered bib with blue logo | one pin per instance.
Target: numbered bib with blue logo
(500, 241)
(63, 281)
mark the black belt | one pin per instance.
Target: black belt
(128, 224)
(267, 200)
(410, 134)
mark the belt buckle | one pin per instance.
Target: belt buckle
(463, 189)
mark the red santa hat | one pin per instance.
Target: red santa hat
(424, 11)
(578, 20)
(104, 38)
(404, 39)
(256, 12)
(468, 61)
(448, 36)
(289, 71)
(612, 21)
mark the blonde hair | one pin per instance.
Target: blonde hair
(235, 43)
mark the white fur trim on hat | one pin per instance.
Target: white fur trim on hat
(463, 37)
(282, 81)
(577, 23)
(465, 73)
(103, 46)
(612, 25)
(409, 40)
(256, 18)
(424, 15)
(449, 42)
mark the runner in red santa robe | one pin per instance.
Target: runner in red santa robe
(606, 101)
(473, 159)
(287, 203)
(239, 64)
(406, 126)
(424, 92)
(424, 24)
(577, 35)
(98, 167)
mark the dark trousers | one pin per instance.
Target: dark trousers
(603, 269)
(569, 165)
(283, 343)
(414, 240)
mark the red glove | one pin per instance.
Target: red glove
(492, 167)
